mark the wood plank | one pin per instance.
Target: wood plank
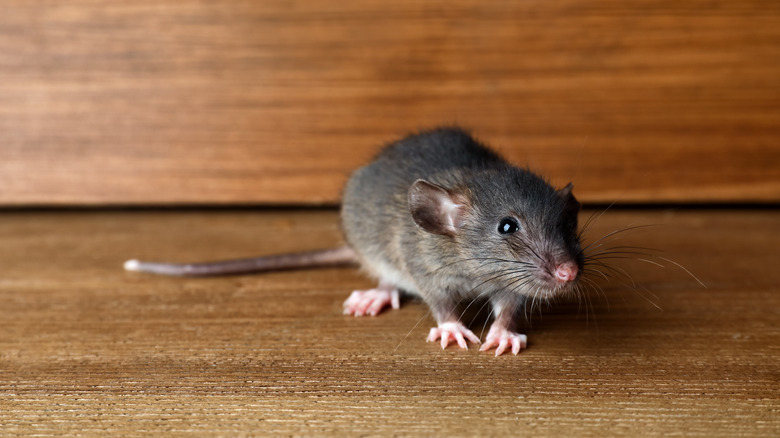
(193, 102)
(86, 348)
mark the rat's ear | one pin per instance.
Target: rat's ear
(571, 202)
(436, 209)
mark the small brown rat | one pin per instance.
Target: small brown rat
(440, 216)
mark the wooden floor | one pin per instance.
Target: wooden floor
(86, 348)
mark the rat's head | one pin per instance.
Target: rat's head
(513, 227)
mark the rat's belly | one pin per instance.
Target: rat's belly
(387, 273)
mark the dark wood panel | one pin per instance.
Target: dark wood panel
(87, 349)
(276, 102)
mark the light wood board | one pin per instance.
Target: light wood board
(87, 349)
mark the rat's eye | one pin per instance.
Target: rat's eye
(508, 225)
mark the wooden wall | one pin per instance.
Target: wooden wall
(187, 101)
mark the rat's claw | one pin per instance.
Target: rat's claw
(452, 331)
(500, 337)
(372, 301)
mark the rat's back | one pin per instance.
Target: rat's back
(429, 153)
(420, 156)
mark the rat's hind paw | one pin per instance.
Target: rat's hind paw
(452, 331)
(372, 301)
(501, 338)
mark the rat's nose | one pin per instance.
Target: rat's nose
(566, 272)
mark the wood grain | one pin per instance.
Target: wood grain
(88, 349)
(195, 102)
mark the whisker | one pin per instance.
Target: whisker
(683, 268)
(593, 311)
(621, 249)
(597, 289)
(651, 262)
(648, 299)
(495, 277)
(412, 329)
(614, 233)
(488, 259)
(489, 315)
(593, 219)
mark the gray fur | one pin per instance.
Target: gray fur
(446, 270)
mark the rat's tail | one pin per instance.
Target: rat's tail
(302, 260)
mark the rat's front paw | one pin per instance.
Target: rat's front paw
(501, 338)
(372, 301)
(452, 331)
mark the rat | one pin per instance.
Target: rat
(440, 216)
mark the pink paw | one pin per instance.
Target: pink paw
(372, 301)
(501, 338)
(452, 331)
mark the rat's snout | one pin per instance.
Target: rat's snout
(566, 272)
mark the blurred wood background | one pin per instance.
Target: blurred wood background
(275, 102)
